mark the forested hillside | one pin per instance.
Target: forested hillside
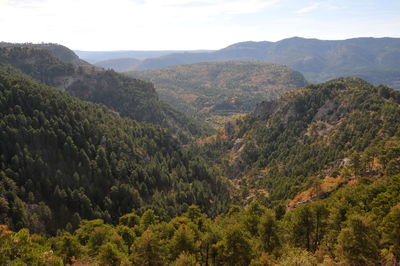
(220, 88)
(98, 56)
(324, 135)
(63, 160)
(129, 97)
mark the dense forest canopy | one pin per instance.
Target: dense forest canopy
(63, 159)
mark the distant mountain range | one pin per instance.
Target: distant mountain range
(376, 60)
(119, 64)
(97, 56)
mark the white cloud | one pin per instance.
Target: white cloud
(182, 24)
(103, 24)
(309, 8)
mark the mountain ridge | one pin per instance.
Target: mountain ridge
(318, 60)
(97, 56)
(118, 64)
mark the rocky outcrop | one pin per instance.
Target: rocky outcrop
(327, 109)
(265, 109)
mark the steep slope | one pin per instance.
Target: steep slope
(129, 97)
(62, 159)
(341, 128)
(317, 60)
(220, 88)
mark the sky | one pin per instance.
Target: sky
(101, 25)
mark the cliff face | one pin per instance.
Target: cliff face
(288, 108)
(265, 109)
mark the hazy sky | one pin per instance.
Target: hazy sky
(191, 24)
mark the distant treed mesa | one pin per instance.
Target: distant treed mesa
(228, 162)
(217, 90)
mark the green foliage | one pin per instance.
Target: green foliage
(182, 241)
(21, 249)
(148, 218)
(268, 232)
(235, 248)
(67, 247)
(130, 219)
(358, 242)
(147, 250)
(185, 259)
(306, 227)
(391, 230)
(297, 257)
(110, 255)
